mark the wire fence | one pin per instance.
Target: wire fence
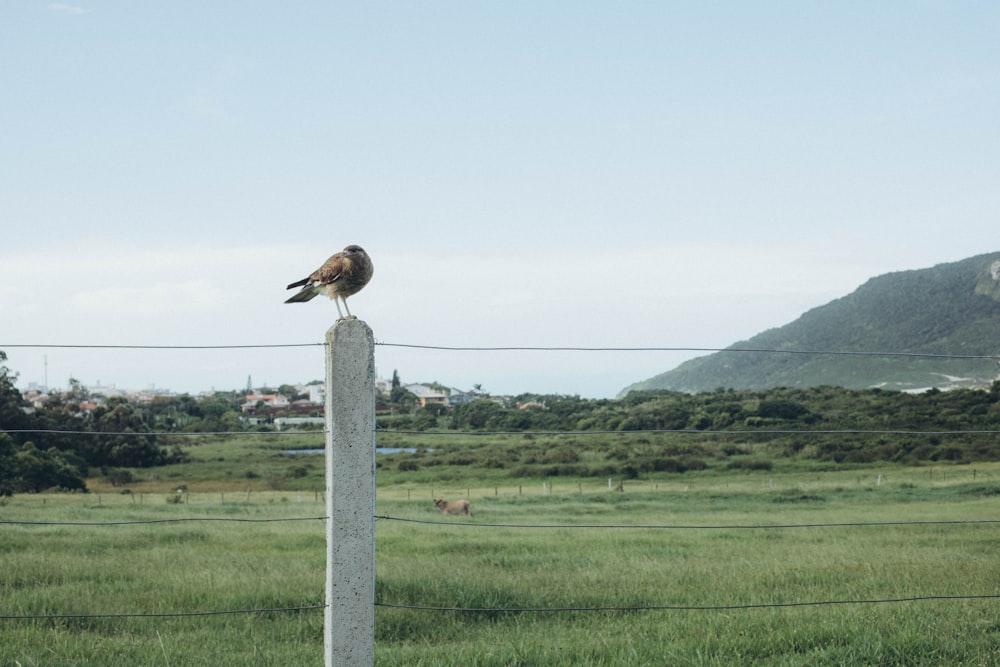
(540, 526)
(515, 610)
(671, 607)
(482, 433)
(529, 348)
(548, 526)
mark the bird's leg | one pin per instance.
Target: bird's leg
(349, 316)
(336, 301)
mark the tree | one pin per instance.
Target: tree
(36, 470)
(403, 398)
(27, 469)
(289, 392)
(125, 438)
(12, 414)
(476, 414)
(7, 450)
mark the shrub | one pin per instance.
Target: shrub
(561, 455)
(120, 476)
(749, 465)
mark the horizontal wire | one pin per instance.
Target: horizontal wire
(693, 526)
(509, 610)
(179, 614)
(134, 522)
(761, 605)
(681, 431)
(689, 431)
(433, 522)
(158, 347)
(513, 348)
(145, 433)
(448, 348)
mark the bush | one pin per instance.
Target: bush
(749, 465)
(561, 455)
(694, 464)
(407, 465)
(119, 476)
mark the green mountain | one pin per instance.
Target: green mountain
(948, 309)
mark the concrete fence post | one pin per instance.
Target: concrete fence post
(350, 494)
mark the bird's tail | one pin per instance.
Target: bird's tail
(304, 295)
(298, 283)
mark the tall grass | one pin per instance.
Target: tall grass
(194, 566)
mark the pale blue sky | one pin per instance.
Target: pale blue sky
(166, 168)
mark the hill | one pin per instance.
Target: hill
(948, 309)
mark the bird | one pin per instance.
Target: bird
(344, 274)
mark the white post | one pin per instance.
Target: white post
(350, 494)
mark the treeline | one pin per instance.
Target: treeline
(730, 429)
(723, 409)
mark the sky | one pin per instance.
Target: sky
(545, 174)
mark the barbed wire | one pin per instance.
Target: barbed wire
(717, 607)
(178, 614)
(392, 431)
(839, 524)
(157, 347)
(691, 431)
(134, 522)
(516, 348)
(51, 431)
(512, 610)
(512, 348)
(433, 522)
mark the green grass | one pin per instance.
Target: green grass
(192, 567)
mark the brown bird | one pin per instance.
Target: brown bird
(340, 276)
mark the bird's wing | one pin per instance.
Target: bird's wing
(331, 271)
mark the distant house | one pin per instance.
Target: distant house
(148, 395)
(427, 395)
(315, 392)
(459, 397)
(271, 401)
(36, 398)
(107, 391)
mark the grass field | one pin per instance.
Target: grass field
(196, 566)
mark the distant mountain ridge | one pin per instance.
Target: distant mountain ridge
(948, 309)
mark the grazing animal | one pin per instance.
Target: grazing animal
(340, 276)
(453, 506)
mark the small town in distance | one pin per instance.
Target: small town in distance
(283, 406)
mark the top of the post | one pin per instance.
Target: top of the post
(349, 327)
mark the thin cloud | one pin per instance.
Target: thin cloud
(161, 298)
(67, 10)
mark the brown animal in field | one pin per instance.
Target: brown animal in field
(453, 506)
